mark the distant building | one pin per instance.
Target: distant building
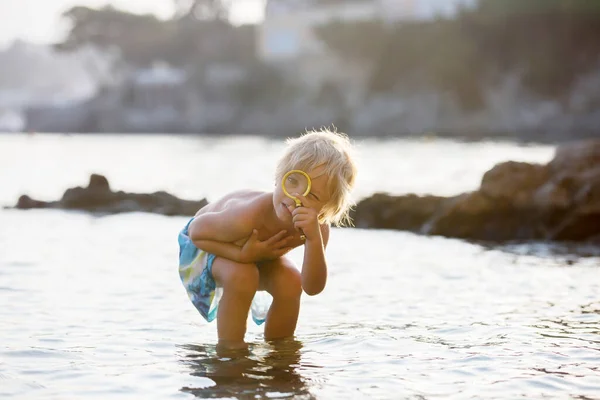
(154, 97)
(287, 31)
(11, 121)
(156, 88)
(287, 36)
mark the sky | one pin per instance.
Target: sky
(40, 21)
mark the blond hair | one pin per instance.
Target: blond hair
(333, 151)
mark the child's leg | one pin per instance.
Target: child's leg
(283, 281)
(240, 283)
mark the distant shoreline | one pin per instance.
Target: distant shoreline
(532, 137)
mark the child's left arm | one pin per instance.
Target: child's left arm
(314, 265)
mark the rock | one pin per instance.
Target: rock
(98, 183)
(552, 195)
(582, 222)
(580, 225)
(513, 182)
(576, 157)
(383, 211)
(475, 216)
(25, 202)
(516, 201)
(98, 197)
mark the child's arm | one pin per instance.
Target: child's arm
(252, 251)
(314, 265)
(216, 232)
(229, 251)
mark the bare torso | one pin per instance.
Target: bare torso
(262, 204)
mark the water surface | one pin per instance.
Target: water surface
(92, 307)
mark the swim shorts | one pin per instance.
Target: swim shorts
(195, 271)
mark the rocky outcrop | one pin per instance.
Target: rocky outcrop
(516, 201)
(98, 197)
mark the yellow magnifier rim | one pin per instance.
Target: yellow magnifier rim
(307, 191)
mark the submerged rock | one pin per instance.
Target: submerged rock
(516, 201)
(98, 197)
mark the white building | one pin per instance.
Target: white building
(287, 35)
(288, 28)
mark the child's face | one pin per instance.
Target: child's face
(317, 198)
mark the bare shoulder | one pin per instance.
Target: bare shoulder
(249, 201)
(246, 204)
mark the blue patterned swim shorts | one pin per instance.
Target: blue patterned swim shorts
(195, 271)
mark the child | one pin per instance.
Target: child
(237, 245)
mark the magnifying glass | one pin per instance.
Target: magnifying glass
(296, 181)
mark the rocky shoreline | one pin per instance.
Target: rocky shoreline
(516, 201)
(97, 197)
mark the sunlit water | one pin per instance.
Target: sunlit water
(92, 306)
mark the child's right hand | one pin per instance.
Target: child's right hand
(255, 250)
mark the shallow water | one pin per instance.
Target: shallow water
(92, 307)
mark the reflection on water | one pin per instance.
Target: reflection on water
(582, 324)
(569, 253)
(268, 370)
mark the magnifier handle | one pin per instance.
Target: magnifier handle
(302, 236)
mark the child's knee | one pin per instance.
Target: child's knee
(243, 280)
(288, 284)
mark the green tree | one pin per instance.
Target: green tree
(140, 40)
(551, 42)
(356, 41)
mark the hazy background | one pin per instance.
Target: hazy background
(41, 22)
(459, 68)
